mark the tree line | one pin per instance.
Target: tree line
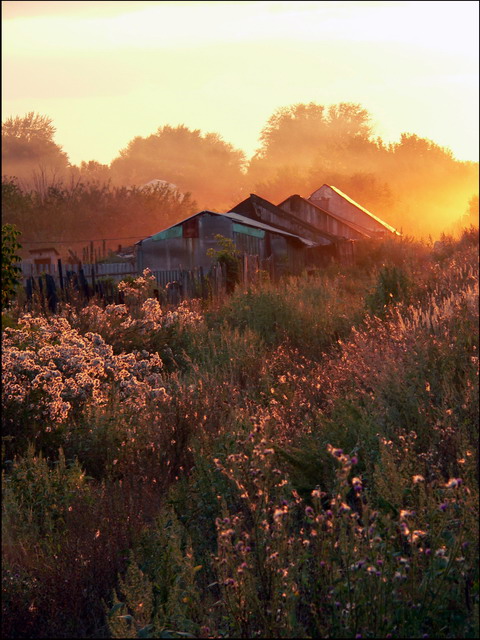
(414, 184)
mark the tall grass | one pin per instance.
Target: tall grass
(297, 460)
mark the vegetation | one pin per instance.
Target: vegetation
(297, 460)
(10, 259)
(413, 184)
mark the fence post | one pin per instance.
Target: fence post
(60, 273)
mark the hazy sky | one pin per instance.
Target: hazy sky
(108, 71)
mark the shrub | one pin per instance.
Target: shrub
(11, 272)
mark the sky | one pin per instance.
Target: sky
(105, 72)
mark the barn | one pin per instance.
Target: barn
(185, 244)
(333, 201)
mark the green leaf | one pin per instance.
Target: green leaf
(145, 631)
(115, 608)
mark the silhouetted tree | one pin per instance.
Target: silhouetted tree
(204, 165)
(307, 135)
(91, 210)
(91, 171)
(28, 148)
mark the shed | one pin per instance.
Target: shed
(262, 210)
(334, 201)
(43, 256)
(185, 244)
(323, 221)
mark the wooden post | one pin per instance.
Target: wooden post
(60, 273)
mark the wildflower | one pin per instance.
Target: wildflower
(443, 506)
(309, 512)
(229, 582)
(418, 478)
(404, 513)
(277, 514)
(453, 483)
(335, 452)
(357, 484)
(416, 535)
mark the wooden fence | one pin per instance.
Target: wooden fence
(54, 282)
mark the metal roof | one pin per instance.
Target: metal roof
(347, 223)
(293, 218)
(359, 206)
(243, 220)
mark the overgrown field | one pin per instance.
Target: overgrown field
(297, 460)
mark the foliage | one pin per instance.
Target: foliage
(204, 165)
(228, 256)
(310, 469)
(392, 286)
(90, 209)
(11, 272)
(28, 147)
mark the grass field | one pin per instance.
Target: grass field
(299, 459)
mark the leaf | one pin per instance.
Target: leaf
(197, 568)
(145, 631)
(115, 608)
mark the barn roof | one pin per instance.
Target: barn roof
(347, 223)
(247, 207)
(359, 206)
(236, 217)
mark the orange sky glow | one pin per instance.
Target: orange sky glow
(105, 72)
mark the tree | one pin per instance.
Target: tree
(28, 147)
(312, 139)
(204, 165)
(91, 171)
(11, 272)
(297, 134)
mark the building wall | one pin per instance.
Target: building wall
(168, 253)
(328, 199)
(304, 209)
(268, 216)
(160, 254)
